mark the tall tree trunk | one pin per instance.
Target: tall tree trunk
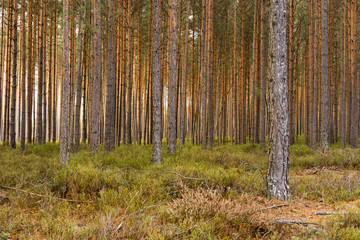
(130, 76)
(156, 85)
(243, 80)
(291, 71)
(96, 77)
(183, 99)
(65, 86)
(110, 87)
(203, 78)
(262, 76)
(315, 76)
(2, 45)
(278, 165)
(172, 104)
(324, 138)
(78, 83)
(210, 111)
(235, 77)
(30, 76)
(253, 75)
(23, 77)
(14, 70)
(343, 79)
(139, 76)
(39, 109)
(54, 68)
(354, 110)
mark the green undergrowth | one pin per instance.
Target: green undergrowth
(193, 194)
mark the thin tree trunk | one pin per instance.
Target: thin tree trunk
(210, 111)
(324, 138)
(110, 87)
(23, 108)
(291, 71)
(156, 85)
(235, 77)
(172, 104)
(14, 71)
(41, 76)
(354, 110)
(77, 90)
(130, 76)
(139, 75)
(65, 86)
(183, 99)
(263, 86)
(203, 78)
(54, 68)
(243, 80)
(2, 45)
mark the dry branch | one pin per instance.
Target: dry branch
(291, 222)
(44, 196)
(274, 206)
(333, 213)
(161, 172)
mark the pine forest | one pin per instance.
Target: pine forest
(179, 119)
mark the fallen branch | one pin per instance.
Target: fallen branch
(160, 172)
(275, 206)
(44, 196)
(334, 213)
(292, 222)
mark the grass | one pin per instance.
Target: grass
(192, 195)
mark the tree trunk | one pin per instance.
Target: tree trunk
(14, 70)
(23, 77)
(183, 99)
(65, 86)
(39, 109)
(278, 165)
(139, 76)
(324, 138)
(253, 75)
(172, 97)
(262, 76)
(96, 78)
(110, 87)
(291, 71)
(77, 90)
(210, 111)
(243, 80)
(156, 85)
(203, 78)
(130, 76)
(54, 68)
(354, 110)
(2, 45)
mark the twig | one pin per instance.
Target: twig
(127, 208)
(333, 213)
(291, 222)
(160, 172)
(44, 196)
(265, 234)
(143, 209)
(275, 206)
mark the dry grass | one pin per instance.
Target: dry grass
(192, 195)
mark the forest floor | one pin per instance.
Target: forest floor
(217, 194)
